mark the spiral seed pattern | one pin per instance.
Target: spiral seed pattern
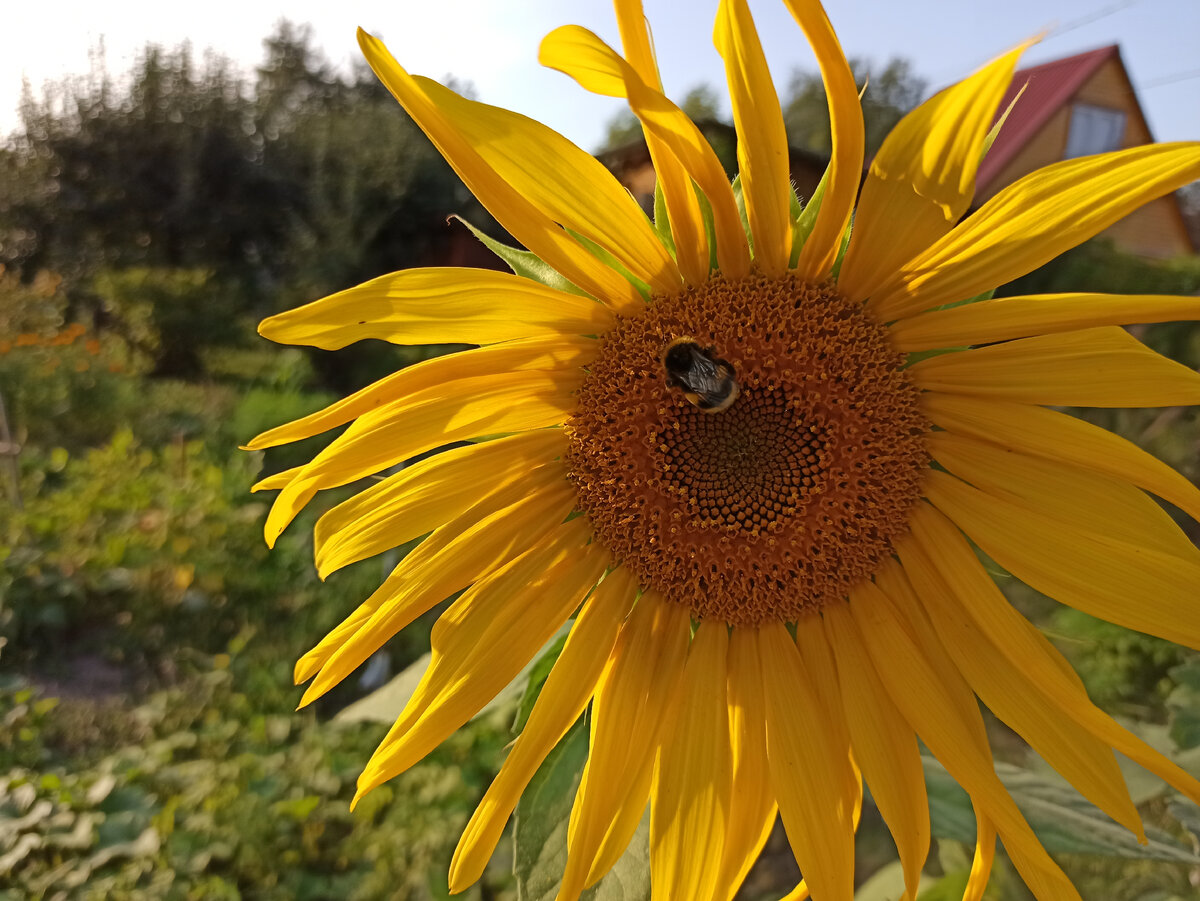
(777, 505)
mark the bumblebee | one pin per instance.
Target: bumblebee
(706, 380)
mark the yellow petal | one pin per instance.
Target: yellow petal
(762, 149)
(511, 502)
(562, 699)
(985, 854)
(1081, 500)
(984, 603)
(910, 615)
(1096, 367)
(598, 68)
(484, 639)
(632, 700)
(1003, 318)
(504, 524)
(799, 893)
(752, 808)
(569, 185)
(690, 799)
(548, 354)
(428, 493)
(923, 178)
(1057, 436)
(899, 594)
(1129, 584)
(534, 226)
(1032, 221)
(458, 411)
(932, 712)
(808, 769)
(683, 207)
(277, 480)
(884, 746)
(439, 306)
(1000, 677)
(846, 120)
(819, 661)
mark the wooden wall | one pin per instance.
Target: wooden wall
(1156, 230)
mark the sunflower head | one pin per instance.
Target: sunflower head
(748, 452)
(778, 503)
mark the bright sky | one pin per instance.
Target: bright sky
(493, 43)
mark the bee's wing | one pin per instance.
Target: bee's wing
(708, 376)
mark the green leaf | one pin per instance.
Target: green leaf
(662, 221)
(1062, 819)
(524, 262)
(537, 678)
(540, 821)
(1144, 786)
(540, 832)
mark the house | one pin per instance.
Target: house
(1072, 107)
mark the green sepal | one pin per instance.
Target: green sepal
(525, 263)
(710, 228)
(991, 136)
(841, 254)
(802, 225)
(611, 262)
(918, 356)
(986, 295)
(662, 220)
(740, 199)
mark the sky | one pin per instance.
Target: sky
(493, 43)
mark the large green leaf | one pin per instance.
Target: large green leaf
(540, 832)
(1063, 820)
(538, 674)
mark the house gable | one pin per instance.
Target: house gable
(1038, 132)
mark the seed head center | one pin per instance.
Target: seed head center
(781, 501)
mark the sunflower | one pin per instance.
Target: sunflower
(776, 598)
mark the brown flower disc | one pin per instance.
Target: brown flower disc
(780, 503)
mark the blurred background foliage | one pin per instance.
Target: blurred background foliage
(149, 746)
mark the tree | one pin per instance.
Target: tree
(197, 187)
(890, 93)
(701, 103)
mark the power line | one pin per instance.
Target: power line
(1091, 17)
(1169, 79)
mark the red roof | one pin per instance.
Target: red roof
(1049, 86)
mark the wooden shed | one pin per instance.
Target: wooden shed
(1073, 107)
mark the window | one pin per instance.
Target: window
(1094, 129)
